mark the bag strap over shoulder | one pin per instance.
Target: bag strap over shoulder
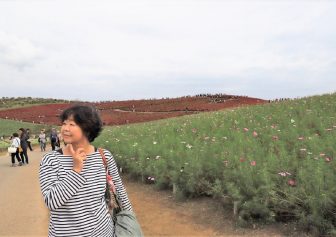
(103, 157)
(109, 179)
(17, 140)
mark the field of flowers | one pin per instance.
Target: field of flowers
(271, 162)
(124, 112)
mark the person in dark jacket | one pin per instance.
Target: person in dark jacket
(24, 145)
(29, 143)
(54, 139)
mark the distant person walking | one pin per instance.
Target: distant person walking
(16, 143)
(54, 139)
(28, 141)
(42, 140)
(60, 139)
(24, 145)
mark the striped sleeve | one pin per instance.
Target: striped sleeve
(57, 192)
(121, 192)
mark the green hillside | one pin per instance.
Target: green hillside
(17, 102)
(8, 127)
(273, 162)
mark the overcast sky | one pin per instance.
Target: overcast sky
(119, 50)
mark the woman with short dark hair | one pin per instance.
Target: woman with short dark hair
(73, 179)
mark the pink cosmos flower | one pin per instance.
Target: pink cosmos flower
(275, 138)
(253, 163)
(255, 134)
(328, 159)
(246, 129)
(291, 182)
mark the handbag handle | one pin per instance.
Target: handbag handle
(109, 182)
(108, 176)
(104, 158)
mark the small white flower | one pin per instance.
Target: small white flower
(154, 142)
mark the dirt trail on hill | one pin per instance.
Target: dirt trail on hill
(23, 212)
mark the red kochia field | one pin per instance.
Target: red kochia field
(133, 111)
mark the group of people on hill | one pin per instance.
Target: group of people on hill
(20, 140)
(55, 139)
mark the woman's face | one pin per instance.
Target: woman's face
(71, 132)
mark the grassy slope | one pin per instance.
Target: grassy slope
(275, 160)
(18, 102)
(8, 127)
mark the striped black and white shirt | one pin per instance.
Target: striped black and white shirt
(76, 200)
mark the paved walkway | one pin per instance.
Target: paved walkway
(21, 206)
(23, 212)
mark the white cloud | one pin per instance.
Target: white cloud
(17, 52)
(198, 46)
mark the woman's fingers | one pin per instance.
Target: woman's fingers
(72, 151)
(79, 157)
(80, 152)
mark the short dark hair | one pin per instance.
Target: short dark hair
(87, 118)
(15, 134)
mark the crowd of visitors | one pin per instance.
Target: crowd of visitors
(21, 141)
